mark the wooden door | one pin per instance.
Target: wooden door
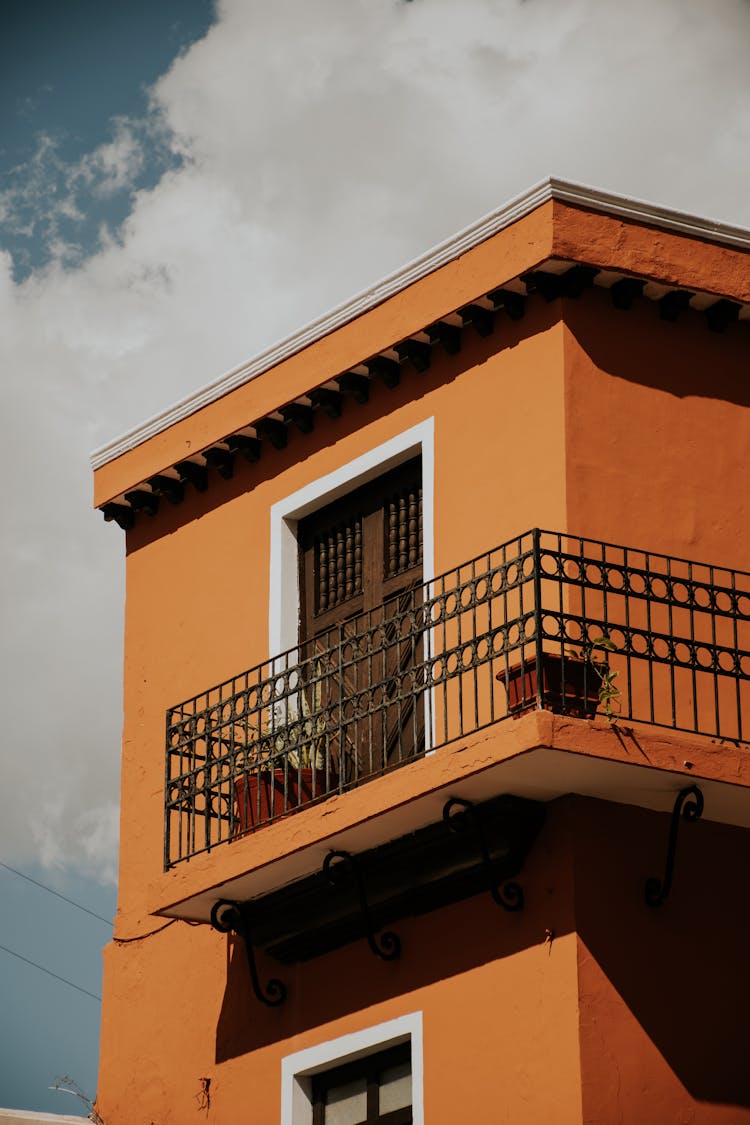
(360, 633)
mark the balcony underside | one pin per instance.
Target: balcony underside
(540, 756)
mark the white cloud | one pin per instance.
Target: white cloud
(321, 144)
(112, 167)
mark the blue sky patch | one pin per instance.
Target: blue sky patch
(75, 77)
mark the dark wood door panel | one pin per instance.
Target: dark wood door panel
(360, 628)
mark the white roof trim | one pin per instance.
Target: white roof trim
(447, 251)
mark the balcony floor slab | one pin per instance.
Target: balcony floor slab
(539, 755)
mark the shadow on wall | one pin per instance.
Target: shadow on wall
(682, 358)
(657, 430)
(434, 947)
(662, 989)
(663, 994)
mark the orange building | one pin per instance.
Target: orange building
(435, 758)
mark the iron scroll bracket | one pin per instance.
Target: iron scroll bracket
(229, 917)
(688, 806)
(338, 866)
(461, 817)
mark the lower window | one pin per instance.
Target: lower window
(371, 1075)
(375, 1089)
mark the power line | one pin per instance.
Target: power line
(151, 933)
(49, 972)
(57, 894)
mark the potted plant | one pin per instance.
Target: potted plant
(286, 765)
(573, 682)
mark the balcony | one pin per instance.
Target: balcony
(547, 621)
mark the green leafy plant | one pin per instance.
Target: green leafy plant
(610, 696)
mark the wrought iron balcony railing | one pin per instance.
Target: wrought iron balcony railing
(544, 621)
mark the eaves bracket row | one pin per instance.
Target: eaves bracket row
(552, 280)
(474, 848)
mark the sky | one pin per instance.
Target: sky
(182, 184)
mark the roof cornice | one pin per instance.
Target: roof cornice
(650, 214)
(577, 195)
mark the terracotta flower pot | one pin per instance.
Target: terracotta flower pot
(259, 796)
(578, 696)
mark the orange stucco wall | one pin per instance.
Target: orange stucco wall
(670, 257)
(628, 1014)
(663, 993)
(554, 229)
(657, 420)
(196, 612)
(197, 592)
(499, 1007)
(608, 424)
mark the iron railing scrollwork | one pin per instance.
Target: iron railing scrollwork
(540, 621)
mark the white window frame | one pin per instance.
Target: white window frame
(298, 1069)
(284, 593)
